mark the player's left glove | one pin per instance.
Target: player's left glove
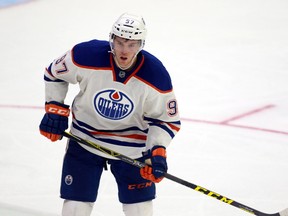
(155, 172)
(55, 121)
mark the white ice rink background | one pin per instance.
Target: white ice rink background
(229, 63)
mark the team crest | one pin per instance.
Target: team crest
(68, 179)
(113, 104)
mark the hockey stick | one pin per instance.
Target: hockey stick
(174, 178)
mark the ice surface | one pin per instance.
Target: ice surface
(226, 58)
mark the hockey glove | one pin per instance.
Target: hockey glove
(55, 121)
(155, 172)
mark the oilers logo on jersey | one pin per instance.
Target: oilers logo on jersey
(113, 104)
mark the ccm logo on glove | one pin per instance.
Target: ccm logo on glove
(55, 120)
(56, 109)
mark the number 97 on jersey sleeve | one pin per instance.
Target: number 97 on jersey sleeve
(60, 65)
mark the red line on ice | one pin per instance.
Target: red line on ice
(236, 126)
(20, 106)
(223, 123)
(248, 113)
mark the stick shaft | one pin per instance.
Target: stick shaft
(168, 176)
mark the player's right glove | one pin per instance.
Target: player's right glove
(55, 120)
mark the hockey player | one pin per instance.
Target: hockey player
(125, 103)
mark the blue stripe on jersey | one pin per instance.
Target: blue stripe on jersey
(122, 143)
(49, 80)
(110, 141)
(49, 68)
(158, 123)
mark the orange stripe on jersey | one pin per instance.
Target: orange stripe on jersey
(136, 70)
(113, 69)
(90, 67)
(132, 136)
(173, 127)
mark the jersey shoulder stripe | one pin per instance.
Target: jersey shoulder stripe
(92, 54)
(154, 73)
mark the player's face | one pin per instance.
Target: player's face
(125, 51)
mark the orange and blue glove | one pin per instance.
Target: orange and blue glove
(158, 168)
(55, 120)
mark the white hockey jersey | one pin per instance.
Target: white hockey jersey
(126, 111)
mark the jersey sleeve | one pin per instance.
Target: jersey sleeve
(162, 115)
(161, 108)
(68, 68)
(58, 75)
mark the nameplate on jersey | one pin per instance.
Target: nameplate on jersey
(113, 104)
